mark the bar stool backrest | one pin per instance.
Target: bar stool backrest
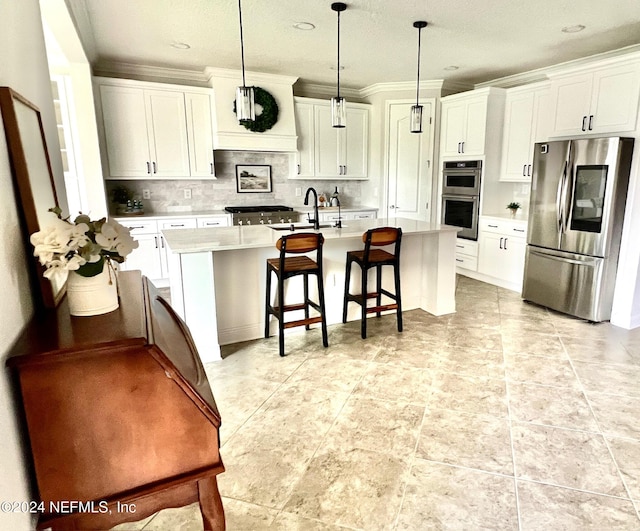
(380, 237)
(303, 242)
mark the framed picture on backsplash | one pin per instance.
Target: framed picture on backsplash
(253, 178)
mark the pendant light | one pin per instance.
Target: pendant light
(416, 110)
(245, 101)
(338, 111)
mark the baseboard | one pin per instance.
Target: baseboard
(517, 287)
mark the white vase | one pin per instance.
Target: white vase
(92, 295)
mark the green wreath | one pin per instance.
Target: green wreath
(269, 115)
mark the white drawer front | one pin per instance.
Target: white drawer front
(363, 215)
(467, 262)
(214, 221)
(511, 228)
(187, 223)
(467, 247)
(140, 226)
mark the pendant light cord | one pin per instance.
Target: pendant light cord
(338, 54)
(418, 81)
(244, 84)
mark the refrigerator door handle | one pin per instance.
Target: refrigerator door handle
(559, 204)
(567, 200)
(585, 262)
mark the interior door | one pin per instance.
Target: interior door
(409, 166)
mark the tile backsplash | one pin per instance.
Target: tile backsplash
(169, 196)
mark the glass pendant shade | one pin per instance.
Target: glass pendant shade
(338, 111)
(245, 104)
(416, 118)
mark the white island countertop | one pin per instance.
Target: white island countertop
(218, 276)
(246, 237)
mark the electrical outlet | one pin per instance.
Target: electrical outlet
(187, 193)
(298, 192)
(146, 194)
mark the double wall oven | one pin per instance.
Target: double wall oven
(461, 196)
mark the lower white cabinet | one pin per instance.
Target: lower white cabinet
(467, 254)
(151, 255)
(347, 215)
(501, 250)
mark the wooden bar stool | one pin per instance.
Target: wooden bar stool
(286, 267)
(366, 259)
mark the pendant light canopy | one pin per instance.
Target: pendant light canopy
(245, 100)
(416, 110)
(338, 111)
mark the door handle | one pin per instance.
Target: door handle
(155, 168)
(505, 244)
(462, 144)
(529, 170)
(156, 240)
(501, 243)
(148, 168)
(584, 123)
(459, 147)
(590, 122)
(524, 170)
(298, 169)
(211, 164)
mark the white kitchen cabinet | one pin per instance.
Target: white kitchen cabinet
(327, 152)
(597, 101)
(200, 135)
(145, 132)
(214, 221)
(148, 256)
(501, 250)
(465, 119)
(347, 215)
(525, 122)
(467, 254)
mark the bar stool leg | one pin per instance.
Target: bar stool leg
(267, 313)
(396, 274)
(378, 288)
(305, 280)
(281, 315)
(347, 278)
(323, 314)
(363, 323)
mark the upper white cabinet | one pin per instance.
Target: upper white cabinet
(601, 100)
(200, 135)
(154, 131)
(465, 119)
(525, 123)
(327, 152)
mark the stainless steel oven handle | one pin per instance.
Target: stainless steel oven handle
(464, 197)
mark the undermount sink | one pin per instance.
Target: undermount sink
(297, 226)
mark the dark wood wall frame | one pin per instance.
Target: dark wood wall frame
(33, 177)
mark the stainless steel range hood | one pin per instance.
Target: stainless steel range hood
(228, 134)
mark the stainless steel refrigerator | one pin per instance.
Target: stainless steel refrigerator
(578, 196)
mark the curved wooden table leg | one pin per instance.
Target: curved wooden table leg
(211, 504)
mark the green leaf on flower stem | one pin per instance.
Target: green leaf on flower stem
(91, 269)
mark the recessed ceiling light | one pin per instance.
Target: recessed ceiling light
(573, 29)
(180, 45)
(305, 26)
(452, 67)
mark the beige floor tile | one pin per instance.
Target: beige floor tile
(471, 361)
(445, 497)
(618, 416)
(469, 394)
(380, 426)
(533, 344)
(524, 323)
(292, 522)
(407, 351)
(484, 320)
(242, 515)
(554, 406)
(598, 351)
(463, 439)
(569, 458)
(603, 378)
(627, 454)
(396, 383)
(186, 518)
(332, 373)
(544, 507)
(539, 370)
(360, 489)
(475, 338)
(265, 457)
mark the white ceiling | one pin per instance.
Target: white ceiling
(486, 39)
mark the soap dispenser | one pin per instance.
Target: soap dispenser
(335, 200)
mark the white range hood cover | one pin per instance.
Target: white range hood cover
(228, 134)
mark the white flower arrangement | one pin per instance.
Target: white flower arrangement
(83, 246)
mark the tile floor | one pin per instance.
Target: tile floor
(502, 416)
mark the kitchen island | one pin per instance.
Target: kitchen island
(217, 275)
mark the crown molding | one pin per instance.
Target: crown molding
(325, 90)
(147, 73)
(543, 74)
(255, 77)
